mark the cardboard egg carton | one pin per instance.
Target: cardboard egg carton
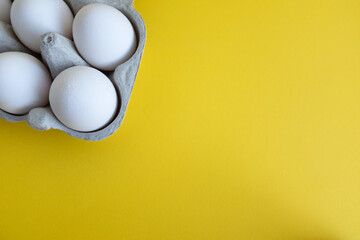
(59, 53)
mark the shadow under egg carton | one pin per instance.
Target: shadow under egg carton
(59, 53)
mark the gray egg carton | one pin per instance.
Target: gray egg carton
(59, 53)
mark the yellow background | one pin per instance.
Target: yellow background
(244, 123)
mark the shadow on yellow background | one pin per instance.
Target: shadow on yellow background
(243, 124)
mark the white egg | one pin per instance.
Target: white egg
(24, 83)
(5, 6)
(83, 99)
(104, 36)
(32, 18)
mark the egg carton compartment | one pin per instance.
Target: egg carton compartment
(59, 53)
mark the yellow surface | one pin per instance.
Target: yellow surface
(244, 124)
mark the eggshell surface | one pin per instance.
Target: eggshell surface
(5, 6)
(83, 99)
(104, 36)
(24, 83)
(32, 18)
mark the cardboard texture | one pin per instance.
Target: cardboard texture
(59, 53)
